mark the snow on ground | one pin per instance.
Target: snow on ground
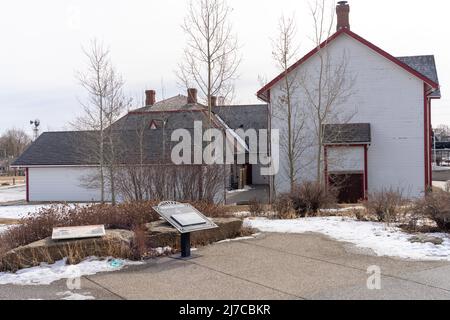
(239, 239)
(15, 193)
(341, 210)
(246, 189)
(441, 184)
(47, 274)
(69, 295)
(3, 228)
(21, 211)
(162, 251)
(383, 240)
(17, 212)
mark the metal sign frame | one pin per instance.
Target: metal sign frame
(163, 210)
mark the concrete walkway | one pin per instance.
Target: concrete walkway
(274, 266)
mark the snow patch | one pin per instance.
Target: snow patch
(47, 274)
(162, 251)
(15, 193)
(18, 212)
(246, 188)
(383, 240)
(69, 295)
(3, 228)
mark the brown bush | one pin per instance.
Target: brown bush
(212, 210)
(436, 206)
(309, 197)
(284, 207)
(385, 205)
(256, 208)
(40, 225)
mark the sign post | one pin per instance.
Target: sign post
(185, 245)
(186, 219)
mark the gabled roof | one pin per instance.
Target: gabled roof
(351, 133)
(425, 65)
(59, 148)
(264, 93)
(244, 116)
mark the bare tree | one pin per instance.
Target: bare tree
(328, 86)
(13, 142)
(105, 103)
(442, 132)
(285, 107)
(211, 57)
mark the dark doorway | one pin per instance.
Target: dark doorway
(350, 187)
(249, 171)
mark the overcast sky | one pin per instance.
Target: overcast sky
(41, 47)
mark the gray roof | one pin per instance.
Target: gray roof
(174, 120)
(244, 116)
(79, 148)
(177, 103)
(425, 65)
(59, 148)
(352, 133)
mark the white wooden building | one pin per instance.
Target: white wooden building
(389, 104)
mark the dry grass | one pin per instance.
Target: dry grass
(8, 221)
(435, 206)
(387, 205)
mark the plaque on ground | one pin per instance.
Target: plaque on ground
(72, 233)
(184, 217)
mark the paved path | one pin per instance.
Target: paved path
(274, 266)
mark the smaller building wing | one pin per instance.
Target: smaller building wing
(353, 133)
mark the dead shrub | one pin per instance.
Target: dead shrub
(436, 206)
(385, 205)
(40, 225)
(284, 207)
(212, 210)
(256, 208)
(309, 197)
(128, 216)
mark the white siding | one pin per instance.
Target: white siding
(61, 184)
(345, 159)
(387, 97)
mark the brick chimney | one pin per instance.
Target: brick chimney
(343, 12)
(150, 97)
(213, 101)
(192, 96)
